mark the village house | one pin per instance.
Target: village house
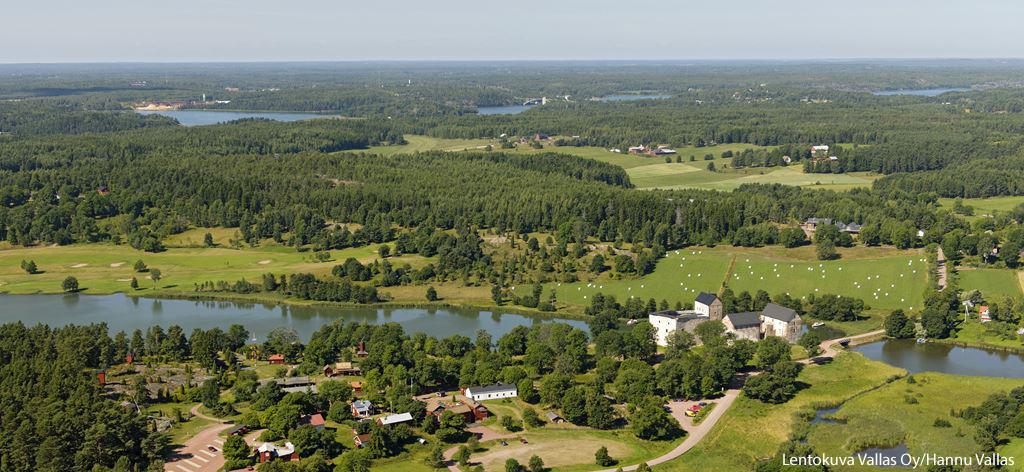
(315, 420)
(362, 408)
(983, 314)
(357, 387)
(341, 368)
(361, 440)
(268, 451)
(812, 224)
(457, 404)
(709, 305)
(491, 392)
(554, 418)
(276, 359)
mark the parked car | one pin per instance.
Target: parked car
(691, 413)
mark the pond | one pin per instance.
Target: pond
(124, 313)
(936, 357)
(212, 117)
(921, 92)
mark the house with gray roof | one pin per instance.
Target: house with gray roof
(745, 325)
(777, 320)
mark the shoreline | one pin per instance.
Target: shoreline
(238, 298)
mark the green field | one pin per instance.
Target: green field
(653, 172)
(991, 283)
(752, 430)
(885, 416)
(106, 268)
(986, 205)
(682, 274)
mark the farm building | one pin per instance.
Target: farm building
(341, 368)
(492, 392)
(276, 359)
(667, 322)
(394, 419)
(268, 451)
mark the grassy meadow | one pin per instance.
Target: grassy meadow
(898, 278)
(903, 412)
(106, 268)
(990, 282)
(986, 205)
(753, 430)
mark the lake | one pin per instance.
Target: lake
(212, 117)
(921, 92)
(503, 110)
(936, 357)
(124, 313)
(626, 98)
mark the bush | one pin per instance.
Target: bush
(941, 423)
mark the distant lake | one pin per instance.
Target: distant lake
(626, 98)
(212, 117)
(921, 92)
(946, 358)
(124, 313)
(503, 110)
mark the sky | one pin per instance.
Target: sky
(47, 31)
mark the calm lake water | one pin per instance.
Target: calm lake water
(626, 98)
(935, 357)
(124, 313)
(212, 117)
(921, 92)
(503, 110)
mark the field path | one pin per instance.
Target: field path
(728, 274)
(827, 349)
(1020, 279)
(940, 263)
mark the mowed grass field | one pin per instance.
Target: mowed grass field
(898, 278)
(889, 282)
(887, 414)
(105, 268)
(753, 430)
(986, 205)
(653, 172)
(991, 282)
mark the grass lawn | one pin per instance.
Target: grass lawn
(885, 415)
(991, 282)
(986, 205)
(571, 449)
(106, 268)
(1014, 449)
(751, 430)
(979, 334)
(681, 276)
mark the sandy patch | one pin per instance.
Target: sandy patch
(117, 264)
(124, 280)
(79, 266)
(265, 262)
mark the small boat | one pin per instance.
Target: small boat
(921, 340)
(817, 325)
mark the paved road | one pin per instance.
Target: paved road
(195, 455)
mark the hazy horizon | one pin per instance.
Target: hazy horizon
(119, 31)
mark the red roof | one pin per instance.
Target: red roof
(276, 357)
(316, 419)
